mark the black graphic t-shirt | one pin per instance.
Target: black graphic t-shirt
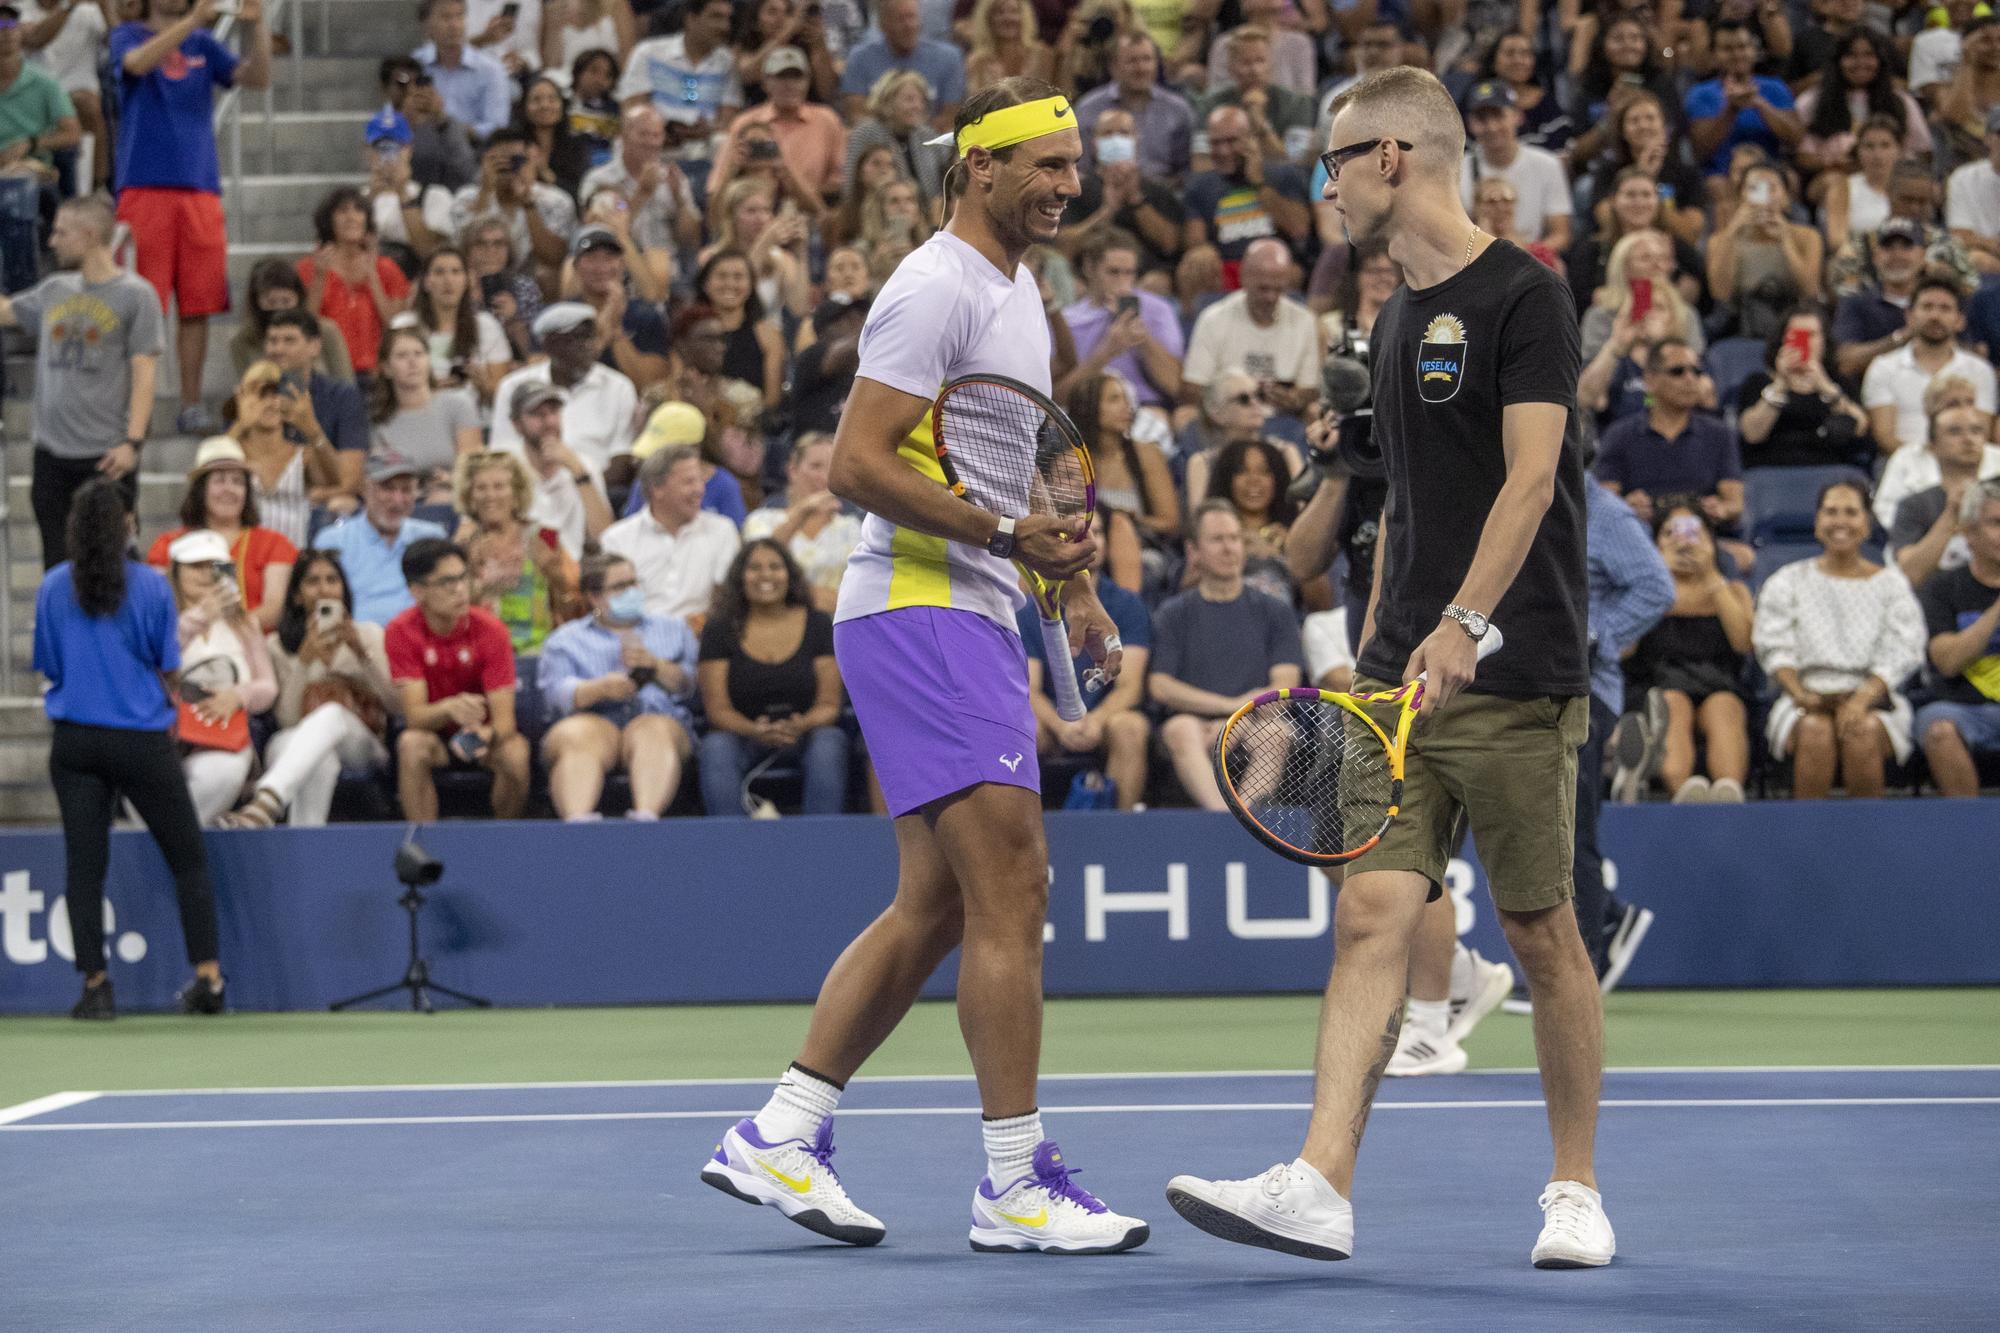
(1446, 360)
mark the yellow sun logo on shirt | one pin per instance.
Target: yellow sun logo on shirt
(1445, 329)
(1441, 359)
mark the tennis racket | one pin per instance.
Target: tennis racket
(1005, 447)
(1317, 775)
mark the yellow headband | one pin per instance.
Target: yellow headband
(1017, 124)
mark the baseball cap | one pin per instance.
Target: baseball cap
(1488, 94)
(199, 547)
(1900, 229)
(388, 126)
(671, 424)
(595, 238)
(563, 317)
(785, 58)
(388, 464)
(527, 397)
(215, 451)
(833, 307)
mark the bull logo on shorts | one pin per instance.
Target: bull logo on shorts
(1441, 360)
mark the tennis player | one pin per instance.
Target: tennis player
(1475, 367)
(924, 634)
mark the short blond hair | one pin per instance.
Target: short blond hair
(471, 465)
(1943, 387)
(1410, 103)
(886, 88)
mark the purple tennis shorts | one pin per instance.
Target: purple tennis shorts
(943, 700)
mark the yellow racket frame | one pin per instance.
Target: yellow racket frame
(1410, 697)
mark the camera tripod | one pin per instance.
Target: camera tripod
(415, 871)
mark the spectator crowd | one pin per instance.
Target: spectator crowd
(522, 493)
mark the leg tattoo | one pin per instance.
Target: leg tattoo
(1372, 1080)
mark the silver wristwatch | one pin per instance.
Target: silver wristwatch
(1001, 543)
(1471, 622)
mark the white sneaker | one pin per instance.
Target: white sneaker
(795, 1177)
(1289, 1208)
(1046, 1210)
(1476, 990)
(1635, 747)
(1693, 792)
(1575, 1231)
(1725, 791)
(1419, 1053)
(1633, 923)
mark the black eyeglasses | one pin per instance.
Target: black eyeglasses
(1337, 158)
(1681, 372)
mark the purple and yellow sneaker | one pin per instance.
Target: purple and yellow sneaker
(795, 1177)
(1047, 1210)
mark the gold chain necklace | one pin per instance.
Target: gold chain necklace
(1470, 241)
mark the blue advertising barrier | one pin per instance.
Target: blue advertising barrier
(1776, 894)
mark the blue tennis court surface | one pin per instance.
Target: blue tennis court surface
(1743, 1199)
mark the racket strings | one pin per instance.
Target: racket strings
(1311, 773)
(1012, 456)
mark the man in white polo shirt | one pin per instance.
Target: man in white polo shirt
(1972, 202)
(1893, 389)
(1543, 209)
(597, 419)
(680, 549)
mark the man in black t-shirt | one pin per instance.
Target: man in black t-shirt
(824, 373)
(1962, 620)
(1116, 195)
(635, 336)
(1474, 365)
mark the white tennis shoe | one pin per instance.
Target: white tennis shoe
(795, 1177)
(1477, 988)
(1046, 1210)
(1419, 1053)
(1290, 1209)
(1575, 1231)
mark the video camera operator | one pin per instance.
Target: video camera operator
(1341, 489)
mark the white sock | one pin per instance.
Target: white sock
(799, 1105)
(1461, 972)
(1010, 1147)
(1428, 1017)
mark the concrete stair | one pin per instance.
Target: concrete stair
(311, 143)
(25, 796)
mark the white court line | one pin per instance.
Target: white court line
(766, 1080)
(1522, 1104)
(55, 1101)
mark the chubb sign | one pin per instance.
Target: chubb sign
(28, 934)
(1101, 903)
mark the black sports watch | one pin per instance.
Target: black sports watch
(1001, 543)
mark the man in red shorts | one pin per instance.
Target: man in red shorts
(170, 181)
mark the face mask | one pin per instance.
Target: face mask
(627, 604)
(1117, 148)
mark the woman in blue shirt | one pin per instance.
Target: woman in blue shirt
(105, 639)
